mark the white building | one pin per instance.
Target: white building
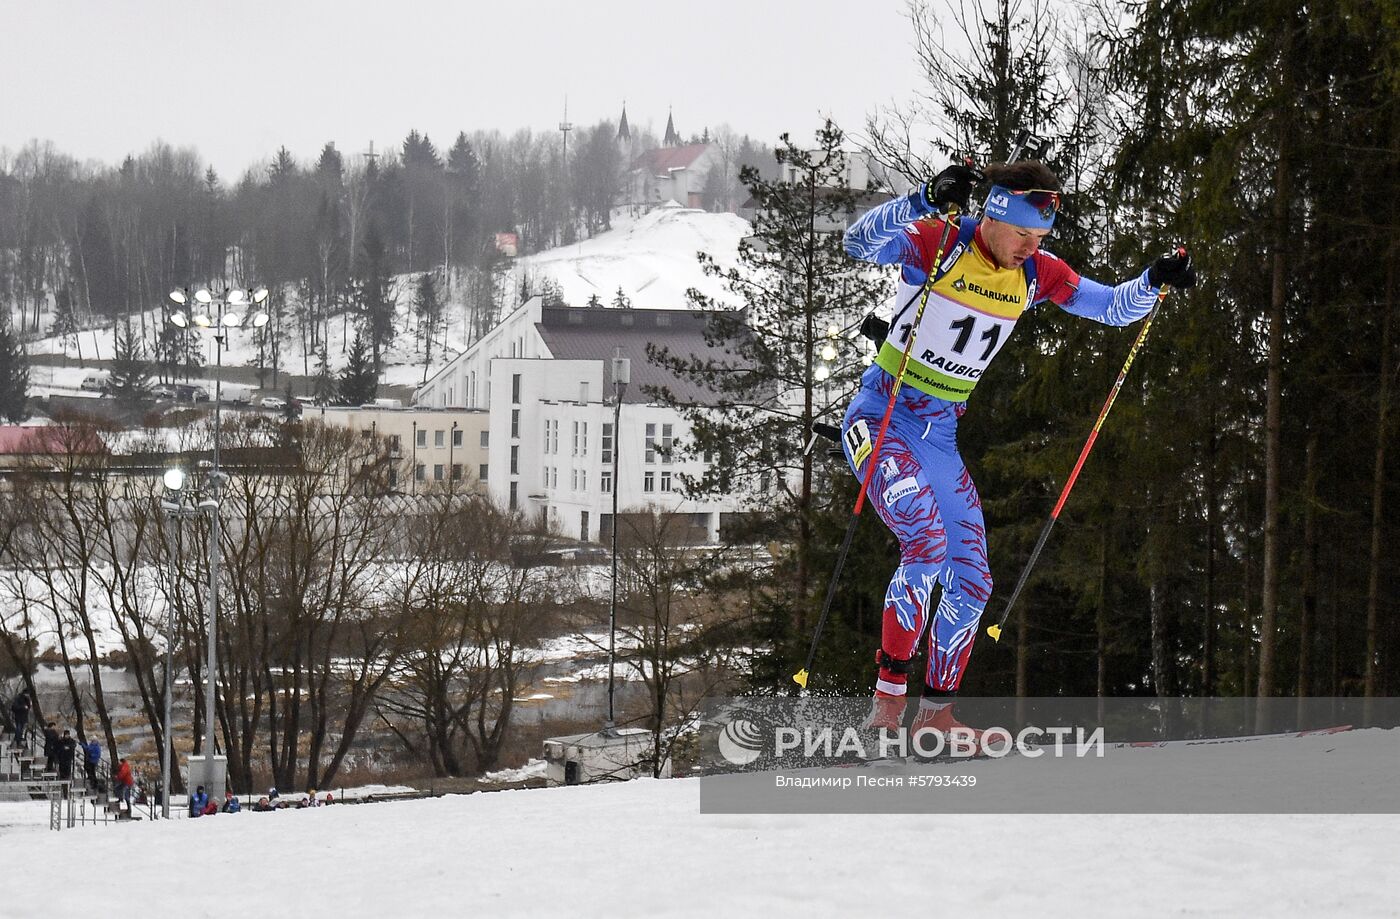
(543, 377)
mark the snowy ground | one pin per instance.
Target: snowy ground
(644, 849)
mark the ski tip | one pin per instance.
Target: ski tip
(995, 632)
(800, 678)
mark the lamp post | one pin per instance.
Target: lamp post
(622, 375)
(174, 508)
(217, 312)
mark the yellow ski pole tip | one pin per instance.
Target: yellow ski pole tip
(995, 632)
(800, 678)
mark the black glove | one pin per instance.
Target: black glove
(875, 328)
(952, 186)
(1173, 269)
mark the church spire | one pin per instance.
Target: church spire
(672, 139)
(624, 133)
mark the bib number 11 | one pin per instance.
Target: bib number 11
(965, 327)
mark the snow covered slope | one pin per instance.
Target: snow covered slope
(650, 258)
(643, 849)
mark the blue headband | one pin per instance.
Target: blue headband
(1015, 209)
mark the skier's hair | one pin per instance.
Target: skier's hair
(1023, 175)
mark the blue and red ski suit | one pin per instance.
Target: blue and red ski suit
(920, 486)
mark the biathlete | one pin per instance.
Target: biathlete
(990, 271)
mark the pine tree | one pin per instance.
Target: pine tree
(131, 371)
(429, 310)
(620, 301)
(14, 375)
(376, 305)
(359, 381)
(795, 282)
(323, 383)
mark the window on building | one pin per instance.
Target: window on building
(666, 480)
(420, 472)
(456, 472)
(393, 477)
(554, 476)
(606, 481)
(515, 389)
(422, 440)
(485, 438)
(437, 472)
(583, 526)
(439, 438)
(607, 442)
(648, 481)
(514, 500)
(482, 470)
(651, 443)
(394, 445)
(583, 392)
(366, 433)
(545, 477)
(573, 483)
(666, 442)
(515, 422)
(583, 439)
(456, 437)
(583, 480)
(515, 460)
(575, 447)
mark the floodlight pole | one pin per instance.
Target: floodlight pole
(220, 322)
(171, 527)
(212, 662)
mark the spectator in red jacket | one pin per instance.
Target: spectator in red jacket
(124, 782)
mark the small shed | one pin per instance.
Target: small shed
(615, 755)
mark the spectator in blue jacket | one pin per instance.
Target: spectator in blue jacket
(231, 805)
(198, 801)
(92, 755)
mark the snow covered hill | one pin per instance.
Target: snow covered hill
(651, 259)
(644, 849)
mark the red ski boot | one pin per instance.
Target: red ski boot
(886, 712)
(942, 734)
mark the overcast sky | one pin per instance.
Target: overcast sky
(103, 78)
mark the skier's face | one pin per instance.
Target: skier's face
(1011, 245)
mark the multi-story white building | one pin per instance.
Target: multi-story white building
(432, 446)
(543, 375)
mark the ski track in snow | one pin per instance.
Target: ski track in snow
(644, 849)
